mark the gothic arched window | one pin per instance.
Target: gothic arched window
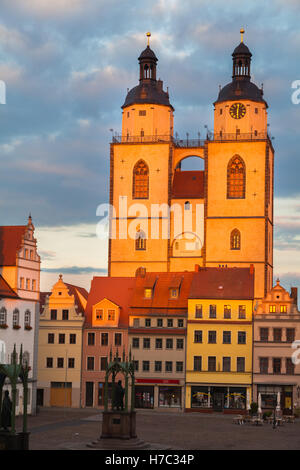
(140, 188)
(236, 178)
(140, 240)
(3, 316)
(27, 318)
(235, 240)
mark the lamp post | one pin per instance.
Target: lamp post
(274, 410)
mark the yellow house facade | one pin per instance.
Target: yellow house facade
(219, 340)
(60, 345)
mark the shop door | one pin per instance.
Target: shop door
(218, 401)
(89, 393)
(60, 396)
(40, 397)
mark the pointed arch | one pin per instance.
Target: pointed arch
(235, 239)
(236, 178)
(140, 189)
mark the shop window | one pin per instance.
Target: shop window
(169, 397)
(200, 397)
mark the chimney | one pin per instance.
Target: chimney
(294, 294)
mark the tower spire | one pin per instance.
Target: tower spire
(148, 38)
(242, 31)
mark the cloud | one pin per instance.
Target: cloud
(75, 270)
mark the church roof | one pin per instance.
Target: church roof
(188, 184)
(11, 238)
(240, 90)
(75, 290)
(147, 93)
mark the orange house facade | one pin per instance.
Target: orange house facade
(105, 333)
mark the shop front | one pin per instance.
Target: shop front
(217, 398)
(269, 397)
(160, 393)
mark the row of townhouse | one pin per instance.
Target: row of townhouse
(199, 341)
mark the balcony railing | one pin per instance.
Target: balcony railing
(218, 137)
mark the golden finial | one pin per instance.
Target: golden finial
(242, 33)
(148, 36)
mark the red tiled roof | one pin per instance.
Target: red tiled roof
(73, 290)
(161, 294)
(223, 283)
(10, 242)
(116, 289)
(6, 290)
(188, 184)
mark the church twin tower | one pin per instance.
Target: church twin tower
(219, 217)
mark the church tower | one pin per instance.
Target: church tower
(140, 174)
(239, 165)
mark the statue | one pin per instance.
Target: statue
(119, 396)
(6, 411)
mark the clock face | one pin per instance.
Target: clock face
(237, 110)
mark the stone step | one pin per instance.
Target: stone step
(120, 444)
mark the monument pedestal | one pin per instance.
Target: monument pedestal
(118, 425)
(18, 441)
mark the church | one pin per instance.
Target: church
(221, 216)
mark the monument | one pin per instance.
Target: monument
(9, 438)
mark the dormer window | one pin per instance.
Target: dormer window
(174, 293)
(111, 315)
(99, 314)
(148, 293)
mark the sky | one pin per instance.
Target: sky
(67, 65)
